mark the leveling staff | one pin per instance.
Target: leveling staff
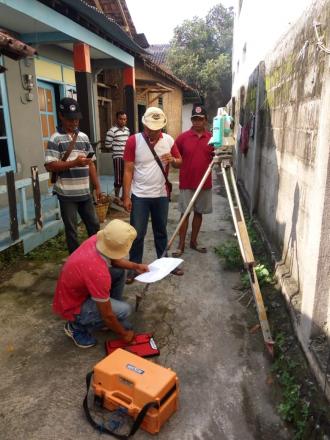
(89, 291)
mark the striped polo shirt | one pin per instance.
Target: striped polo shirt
(71, 184)
(116, 139)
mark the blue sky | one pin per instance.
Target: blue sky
(157, 20)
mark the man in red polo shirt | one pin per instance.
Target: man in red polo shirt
(196, 156)
(89, 290)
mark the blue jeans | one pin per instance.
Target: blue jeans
(90, 319)
(69, 213)
(142, 207)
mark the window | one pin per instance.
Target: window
(47, 109)
(7, 158)
(160, 102)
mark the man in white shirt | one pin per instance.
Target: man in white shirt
(116, 139)
(146, 189)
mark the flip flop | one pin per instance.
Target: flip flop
(179, 272)
(130, 279)
(201, 250)
(177, 253)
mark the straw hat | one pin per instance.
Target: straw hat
(154, 118)
(115, 240)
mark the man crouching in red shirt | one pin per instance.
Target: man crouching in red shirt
(89, 290)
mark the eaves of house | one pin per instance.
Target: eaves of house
(65, 22)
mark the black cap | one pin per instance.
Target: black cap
(198, 111)
(69, 108)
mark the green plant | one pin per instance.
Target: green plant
(55, 248)
(10, 255)
(230, 254)
(263, 275)
(293, 408)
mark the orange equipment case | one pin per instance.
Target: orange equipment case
(123, 379)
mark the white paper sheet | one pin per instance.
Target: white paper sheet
(158, 269)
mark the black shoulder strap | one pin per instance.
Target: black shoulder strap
(159, 162)
(101, 428)
(70, 147)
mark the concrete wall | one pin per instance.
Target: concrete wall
(25, 120)
(186, 116)
(56, 53)
(258, 25)
(285, 174)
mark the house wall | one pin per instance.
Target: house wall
(283, 108)
(186, 116)
(258, 25)
(25, 120)
(172, 101)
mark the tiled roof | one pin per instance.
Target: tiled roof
(158, 53)
(13, 48)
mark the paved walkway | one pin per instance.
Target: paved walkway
(200, 327)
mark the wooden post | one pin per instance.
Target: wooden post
(11, 191)
(129, 98)
(36, 197)
(84, 85)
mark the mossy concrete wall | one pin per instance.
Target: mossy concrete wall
(285, 174)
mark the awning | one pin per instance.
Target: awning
(13, 48)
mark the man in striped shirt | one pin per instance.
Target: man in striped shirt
(74, 172)
(116, 139)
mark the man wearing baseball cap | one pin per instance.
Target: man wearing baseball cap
(90, 287)
(146, 187)
(196, 157)
(66, 158)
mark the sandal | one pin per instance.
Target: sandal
(130, 279)
(118, 201)
(201, 250)
(179, 272)
(177, 253)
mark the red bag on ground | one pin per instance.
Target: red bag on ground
(142, 345)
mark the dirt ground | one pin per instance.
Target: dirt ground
(201, 328)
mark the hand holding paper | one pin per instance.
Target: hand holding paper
(158, 269)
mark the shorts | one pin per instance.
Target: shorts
(202, 205)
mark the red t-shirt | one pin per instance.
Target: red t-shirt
(196, 157)
(84, 274)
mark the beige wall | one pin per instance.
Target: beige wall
(172, 101)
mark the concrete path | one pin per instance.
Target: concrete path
(200, 327)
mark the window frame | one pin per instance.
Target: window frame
(9, 133)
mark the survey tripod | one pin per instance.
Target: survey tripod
(223, 159)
